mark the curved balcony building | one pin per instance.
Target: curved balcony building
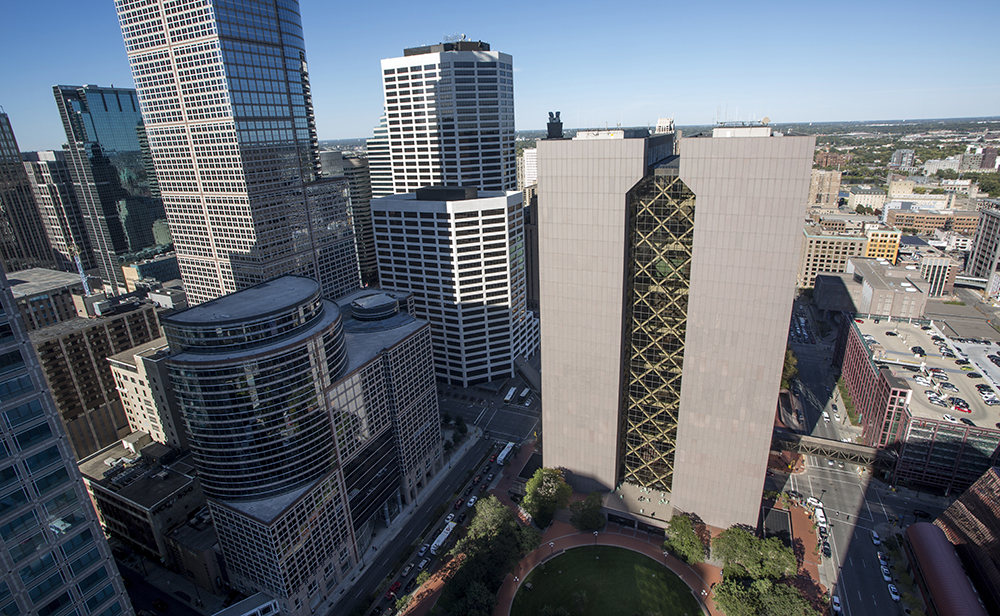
(249, 375)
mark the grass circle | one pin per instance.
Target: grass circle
(603, 580)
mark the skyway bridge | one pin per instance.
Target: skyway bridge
(861, 455)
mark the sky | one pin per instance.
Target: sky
(599, 63)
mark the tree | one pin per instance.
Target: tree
(528, 539)
(460, 425)
(736, 597)
(947, 174)
(546, 492)
(492, 545)
(683, 541)
(422, 577)
(790, 369)
(746, 556)
(477, 601)
(586, 515)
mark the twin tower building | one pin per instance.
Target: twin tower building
(666, 270)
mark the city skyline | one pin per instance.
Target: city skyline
(721, 68)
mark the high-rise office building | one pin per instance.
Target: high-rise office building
(358, 175)
(23, 243)
(233, 140)
(461, 254)
(380, 160)
(666, 288)
(310, 421)
(450, 114)
(527, 168)
(824, 188)
(59, 208)
(117, 195)
(55, 559)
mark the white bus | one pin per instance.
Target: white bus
(525, 393)
(505, 454)
(510, 395)
(443, 537)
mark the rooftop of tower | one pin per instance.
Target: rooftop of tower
(448, 46)
(273, 296)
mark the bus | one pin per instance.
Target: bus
(505, 454)
(510, 395)
(443, 537)
(524, 394)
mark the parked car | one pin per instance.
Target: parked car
(835, 603)
(826, 549)
(458, 504)
(410, 585)
(875, 538)
(885, 574)
(392, 589)
(472, 502)
(449, 518)
(881, 559)
(423, 549)
(423, 564)
(461, 517)
(406, 570)
(893, 592)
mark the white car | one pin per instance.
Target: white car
(826, 416)
(835, 603)
(949, 418)
(472, 502)
(923, 381)
(881, 560)
(885, 574)
(893, 593)
(875, 539)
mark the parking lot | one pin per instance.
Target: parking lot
(942, 385)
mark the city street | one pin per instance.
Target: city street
(505, 422)
(855, 505)
(381, 563)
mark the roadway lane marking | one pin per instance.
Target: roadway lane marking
(882, 505)
(480, 416)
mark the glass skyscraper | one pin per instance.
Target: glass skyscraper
(224, 91)
(55, 560)
(23, 242)
(116, 193)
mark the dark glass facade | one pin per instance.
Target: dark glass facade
(117, 195)
(660, 243)
(251, 390)
(23, 242)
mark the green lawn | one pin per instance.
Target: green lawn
(614, 580)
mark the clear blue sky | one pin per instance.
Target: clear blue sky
(598, 62)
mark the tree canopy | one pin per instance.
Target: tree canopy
(683, 541)
(790, 369)
(745, 555)
(546, 492)
(586, 515)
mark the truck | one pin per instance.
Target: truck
(524, 394)
(510, 395)
(502, 458)
(443, 537)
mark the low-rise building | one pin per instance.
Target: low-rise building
(154, 271)
(45, 297)
(147, 397)
(865, 196)
(872, 286)
(907, 216)
(138, 496)
(953, 240)
(879, 370)
(194, 552)
(825, 252)
(883, 243)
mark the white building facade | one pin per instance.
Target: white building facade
(461, 254)
(450, 114)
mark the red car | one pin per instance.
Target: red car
(458, 504)
(493, 458)
(483, 487)
(392, 589)
(477, 479)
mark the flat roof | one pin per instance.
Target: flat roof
(893, 352)
(77, 324)
(35, 281)
(151, 485)
(275, 295)
(128, 357)
(959, 321)
(890, 277)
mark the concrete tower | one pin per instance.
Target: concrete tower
(666, 287)
(450, 116)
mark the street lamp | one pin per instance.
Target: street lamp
(665, 554)
(552, 547)
(595, 537)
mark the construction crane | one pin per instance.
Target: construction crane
(73, 250)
